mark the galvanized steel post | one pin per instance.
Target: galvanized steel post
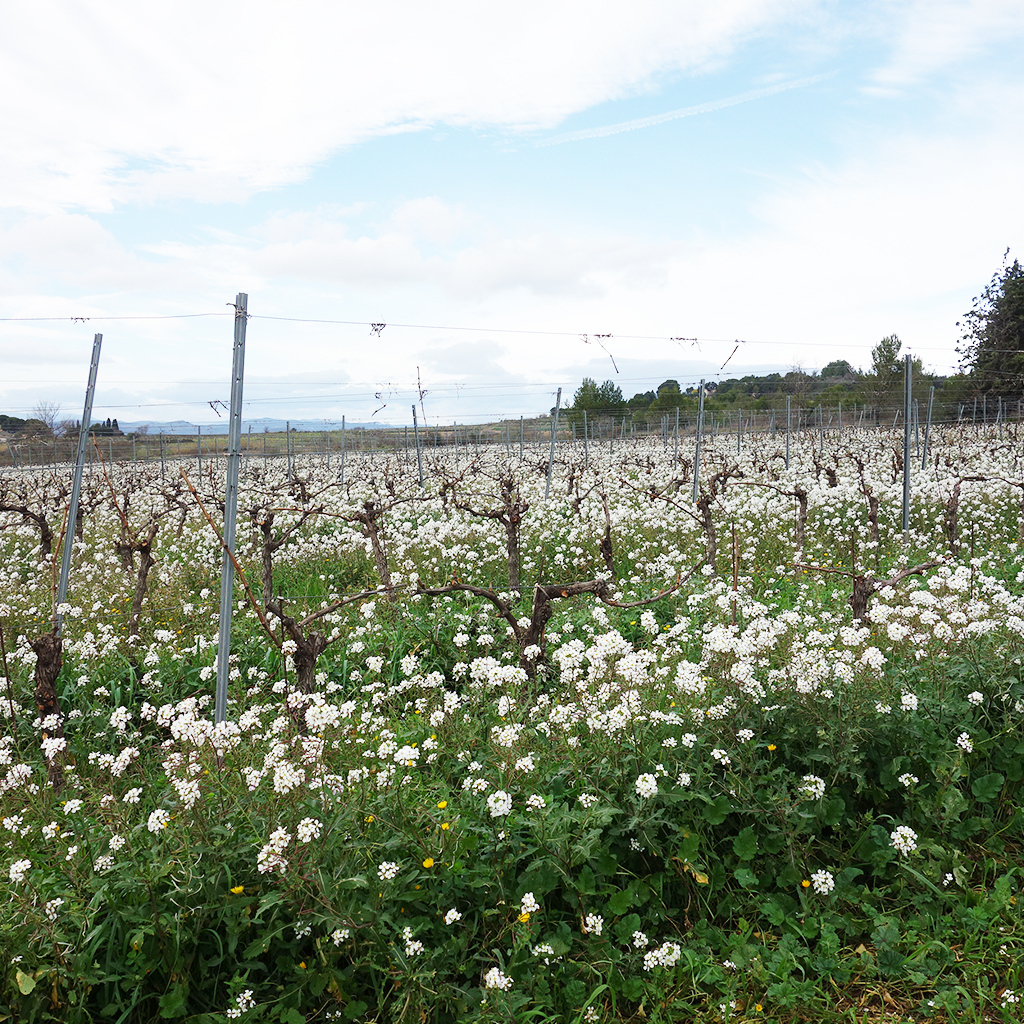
(551, 452)
(416, 436)
(227, 571)
(927, 427)
(76, 486)
(700, 438)
(907, 381)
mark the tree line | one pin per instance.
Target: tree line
(991, 372)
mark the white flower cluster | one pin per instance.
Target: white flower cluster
(666, 955)
(243, 1001)
(812, 788)
(308, 830)
(823, 881)
(413, 947)
(499, 803)
(271, 856)
(158, 820)
(387, 870)
(496, 978)
(646, 786)
(529, 904)
(593, 924)
(904, 839)
(18, 870)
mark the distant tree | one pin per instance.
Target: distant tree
(669, 397)
(596, 399)
(883, 385)
(886, 365)
(642, 400)
(837, 368)
(48, 413)
(35, 428)
(11, 424)
(992, 343)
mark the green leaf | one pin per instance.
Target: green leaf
(172, 1003)
(886, 933)
(987, 787)
(745, 877)
(585, 882)
(745, 844)
(355, 1009)
(607, 862)
(25, 982)
(833, 809)
(890, 961)
(953, 803)
(620, 902)
(717, 811)
(689, 846)
(632, 988)
(624, 929)
(289, 1015)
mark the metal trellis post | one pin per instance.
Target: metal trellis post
(907, 381)
(700, 437)
(227, 573)
(551, 452)
(76, 487)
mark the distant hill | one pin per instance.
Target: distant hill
(264, 424)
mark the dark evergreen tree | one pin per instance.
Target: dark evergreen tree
(992, 343)
(598, 400)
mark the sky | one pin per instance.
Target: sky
(522, 194)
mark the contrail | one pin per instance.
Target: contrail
(672, 115)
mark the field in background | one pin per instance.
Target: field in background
(617, 755)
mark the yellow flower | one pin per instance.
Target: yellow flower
(442, 804)
(806, 883)
(445, 826)
(429, 862)
(238, 890)
(771, 746)
(523, 918)
(368, 818)
(758, 1007)
(302, 964)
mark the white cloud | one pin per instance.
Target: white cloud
(932, 35)
(116, 101)
(674, 115)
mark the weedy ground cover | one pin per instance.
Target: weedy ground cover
(707, 791)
